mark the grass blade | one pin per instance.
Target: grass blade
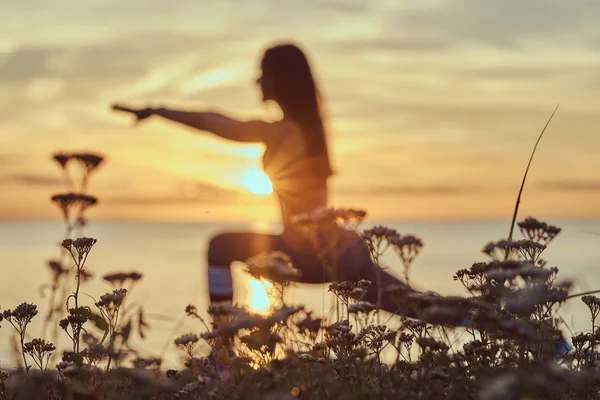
(514, 218)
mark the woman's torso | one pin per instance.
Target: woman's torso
(298, 180)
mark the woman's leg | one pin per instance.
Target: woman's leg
(353, 263)
(224, 249)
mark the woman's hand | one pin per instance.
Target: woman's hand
(140, 114)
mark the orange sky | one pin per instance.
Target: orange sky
(434, 106)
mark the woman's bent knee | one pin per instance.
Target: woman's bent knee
(220, 249)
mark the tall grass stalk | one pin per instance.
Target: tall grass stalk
(514, 218)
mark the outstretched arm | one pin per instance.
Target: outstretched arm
(218, 124)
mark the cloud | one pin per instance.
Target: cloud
(570, 185)
(70, 85)
(523, 72)
(31, 179)
(408, 190)
(9, 159)
(504, 23)
(390, 45)
(202, 192)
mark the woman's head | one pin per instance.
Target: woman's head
(287, 79)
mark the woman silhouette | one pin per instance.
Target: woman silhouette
(296, 160)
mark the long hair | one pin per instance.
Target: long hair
(296, 92)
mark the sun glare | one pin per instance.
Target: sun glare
(258, 299)
(257, 182)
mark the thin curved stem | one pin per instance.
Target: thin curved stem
(514, 218)
(582, 294)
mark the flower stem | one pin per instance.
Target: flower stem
(76, 334)
(22, 336)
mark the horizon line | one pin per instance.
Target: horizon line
(367, 221)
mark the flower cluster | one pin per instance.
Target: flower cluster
(274, 266)
(119, 279)
(323, 217)
(538, 231)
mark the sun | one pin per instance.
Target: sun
(258, 298)
(257, 182)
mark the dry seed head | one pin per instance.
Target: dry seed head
(320, 218)
(174, 374)
(62, 159)
(310, 324)
(432, 344)
(38, 347)
(526, 270)
(591, 301)
(4, 376)
(415, 326)
(261, 339)
(209, 335)
(189, 338)
(538, 231)
(89, 161)
(342, 289)
(339, 327)
(500, 249)
(22, 314)
(407, 247)
(66, 201)
(112, 300)
(529, 249)
(83, 245)
(85, 201)
(380, 232)
(445, 315)
(593, 304)
(361, 306)
(524, 301)
(191, 309)
(120, 278)
(349, 218)
(147, 362)
(63, 365)
(364, 284)
(274, 266)
(405, 338)
(67, 243)
(190, 388)
(222, 308)
(281, 315)
(357, 293)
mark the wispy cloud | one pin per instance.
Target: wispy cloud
(505, 23)
(200, 193)
(390, 46)
(409, 190)
(31, 179)
(571, 185)
(9, 159)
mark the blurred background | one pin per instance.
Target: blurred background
(433, 108)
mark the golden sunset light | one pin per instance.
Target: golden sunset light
(422, 108)
(257, 182)
(258, 299)
(299, 199)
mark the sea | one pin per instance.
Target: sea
(172, 259)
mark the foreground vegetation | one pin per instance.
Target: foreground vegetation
(502, 341)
